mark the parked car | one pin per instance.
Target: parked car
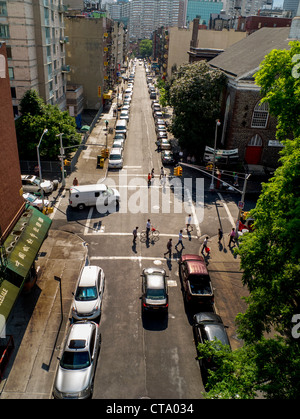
(167, 157)
(88, 296)
(35, 201)
(75, 374)
(162, 135)
(155, 290)
(159, 121)
(160, 128)
(125, 108)
(119, 136)
(165, 144)
(118, 144)
(115, 160)
(153, 95)
(126, 102)
(154, 102)
(33, 184)
(158, 115)
(124, 115)
(208, 326)
(196, 283)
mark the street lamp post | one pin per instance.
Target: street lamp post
(212, 186)
(39, 164)
(62, 152)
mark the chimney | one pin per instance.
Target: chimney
(194, 40)
(295, 26)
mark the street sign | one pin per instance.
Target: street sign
(241, 204)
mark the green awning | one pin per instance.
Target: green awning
(8, 296)
(24, 242)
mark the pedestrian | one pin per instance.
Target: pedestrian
(205, 243)
(180, 240)
(161, 172)
(220, 235)
(75, 182)
(169, 248)
(180, 155)
(235, 178)
(106, 124)
(134, 235)
(148, 226)
(152, 173)
(232, 236)
(149, 179)
(188, 223)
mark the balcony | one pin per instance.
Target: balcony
(65, 69)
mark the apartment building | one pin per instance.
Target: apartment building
(33, 31)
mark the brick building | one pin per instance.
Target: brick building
(11, 203)
(246, 124)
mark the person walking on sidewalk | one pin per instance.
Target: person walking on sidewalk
(205, 243)
(169, 248)
(179, 241)
(148, 226)
(232, 237)
(134, 235)
(220, 235)
(75, 182)
(188, 223)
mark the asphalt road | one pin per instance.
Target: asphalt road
(143, 357)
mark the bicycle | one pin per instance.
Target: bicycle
(153, 235)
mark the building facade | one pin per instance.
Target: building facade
(202, 10)
(34, 35)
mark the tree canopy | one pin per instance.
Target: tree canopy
(145, 48)
(37, 116)
(194, 93)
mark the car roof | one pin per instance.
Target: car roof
(155, 277)
(116, 151)
(195, 264)
(87, 188)
(88, 276)
(79, 335)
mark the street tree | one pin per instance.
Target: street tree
(194, 93)
(37, 116)
(145, 48)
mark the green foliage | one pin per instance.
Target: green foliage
(145, 48)
(195, 93)
(30, 126)
(279, 80)
(269, 368)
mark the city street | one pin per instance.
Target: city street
(142, 357)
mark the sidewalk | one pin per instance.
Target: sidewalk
(36, 323)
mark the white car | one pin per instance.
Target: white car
(115, 160)
(75, 373)
(125, 108)
(88, 296)
(31, 183)
(118, 144)
(124, 115)
(34, 201)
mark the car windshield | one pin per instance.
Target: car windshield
(31, 198)
(36, 181)
(110, 191)
(200, 284)
(115, 157)
(86, 293)
(75, 360)
(155, 294)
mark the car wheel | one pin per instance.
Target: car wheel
(80, 206)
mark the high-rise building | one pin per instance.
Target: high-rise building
(291, 5)
(202, 10)
(34, 34)
(245, 7)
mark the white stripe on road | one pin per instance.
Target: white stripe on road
(227, 210)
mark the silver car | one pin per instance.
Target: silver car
(75, 374)
(88, 296)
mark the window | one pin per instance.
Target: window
(11, 73)
(13, 92)
(260, 115)
(4, 31)
(3, 8)
(255, 141)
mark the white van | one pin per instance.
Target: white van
(90, 195)
(121, 127)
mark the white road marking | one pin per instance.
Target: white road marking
(227, 210)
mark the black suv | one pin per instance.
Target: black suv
(155, 290)
(208, 326)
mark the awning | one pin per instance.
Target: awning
(8, 296)
(24, 242)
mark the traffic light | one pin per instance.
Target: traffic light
(178, 171)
